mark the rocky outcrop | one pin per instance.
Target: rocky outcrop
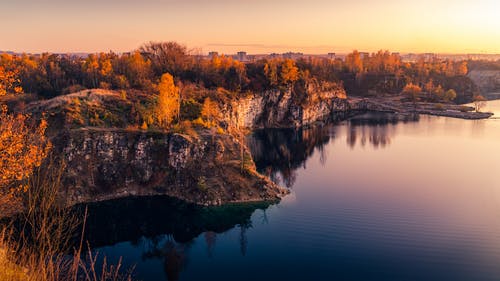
(204, 169)
(287, 108)
(487, 80)
(403, 110)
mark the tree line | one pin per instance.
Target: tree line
(50, 75)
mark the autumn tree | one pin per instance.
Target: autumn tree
(354, 62)
(271, 72)
(438, 92)
(168, 101)
(91, 68)
(137, 70)
(9, 81)
(462, 68)
(289, 72)
(479, 102)
(412, 91)
(22, 146)
(210, 111)
(449, 95)
(168, 57)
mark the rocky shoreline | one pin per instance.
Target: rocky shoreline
(396, 106)
(209, 168)
(204, 169)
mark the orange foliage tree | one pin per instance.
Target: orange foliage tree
(289, 72)
(168, 101)
(22, 147)
(210, 111)
(9, 81)
(412, 91)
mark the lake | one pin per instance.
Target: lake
(372, 198)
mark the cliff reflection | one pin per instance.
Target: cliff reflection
(278, 153)
(376, 129)
(132, 219)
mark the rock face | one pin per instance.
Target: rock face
(487, 80)
(286, 108)
(205, 170)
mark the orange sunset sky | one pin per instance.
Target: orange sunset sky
(255, 26)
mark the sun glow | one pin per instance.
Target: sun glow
(315, 26)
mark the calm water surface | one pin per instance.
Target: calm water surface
(371, 199)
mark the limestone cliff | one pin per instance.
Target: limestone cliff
(285, 108)
(487, 80)
(107, 163)
(207, 170)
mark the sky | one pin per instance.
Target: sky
(255, 26)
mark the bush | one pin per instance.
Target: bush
(464, 108)
(200, 123)
(439, 106)
(202, 184)
(186, 128)
(190, 109)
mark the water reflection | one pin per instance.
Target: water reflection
(172, 254)
(161, 216)
(415, 201)
(164, 227)
(278, 153)
(375, 128)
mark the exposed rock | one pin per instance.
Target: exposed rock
(286, 108)
(487, 80)
(395, 105)
(206, 170)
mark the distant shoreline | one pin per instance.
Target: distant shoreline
(395, 105)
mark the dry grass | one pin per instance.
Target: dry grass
(93, 95)
(22, 265)
(9, 270)
(39, 248)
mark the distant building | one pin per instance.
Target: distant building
(428, 56)
(213, 54)
(292, 55)
(242, 56)
(331, 56)
(364, 55)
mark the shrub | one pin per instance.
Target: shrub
(190, 109)
(200, 123)
(464, 108)
(202, 184)
(184, 127)
(439, 106)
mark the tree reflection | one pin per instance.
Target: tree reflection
(174, 256)
(243, 239)
(151, 217)
(210, 239)
(165, 227)
(278, 153)
(376, 128)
